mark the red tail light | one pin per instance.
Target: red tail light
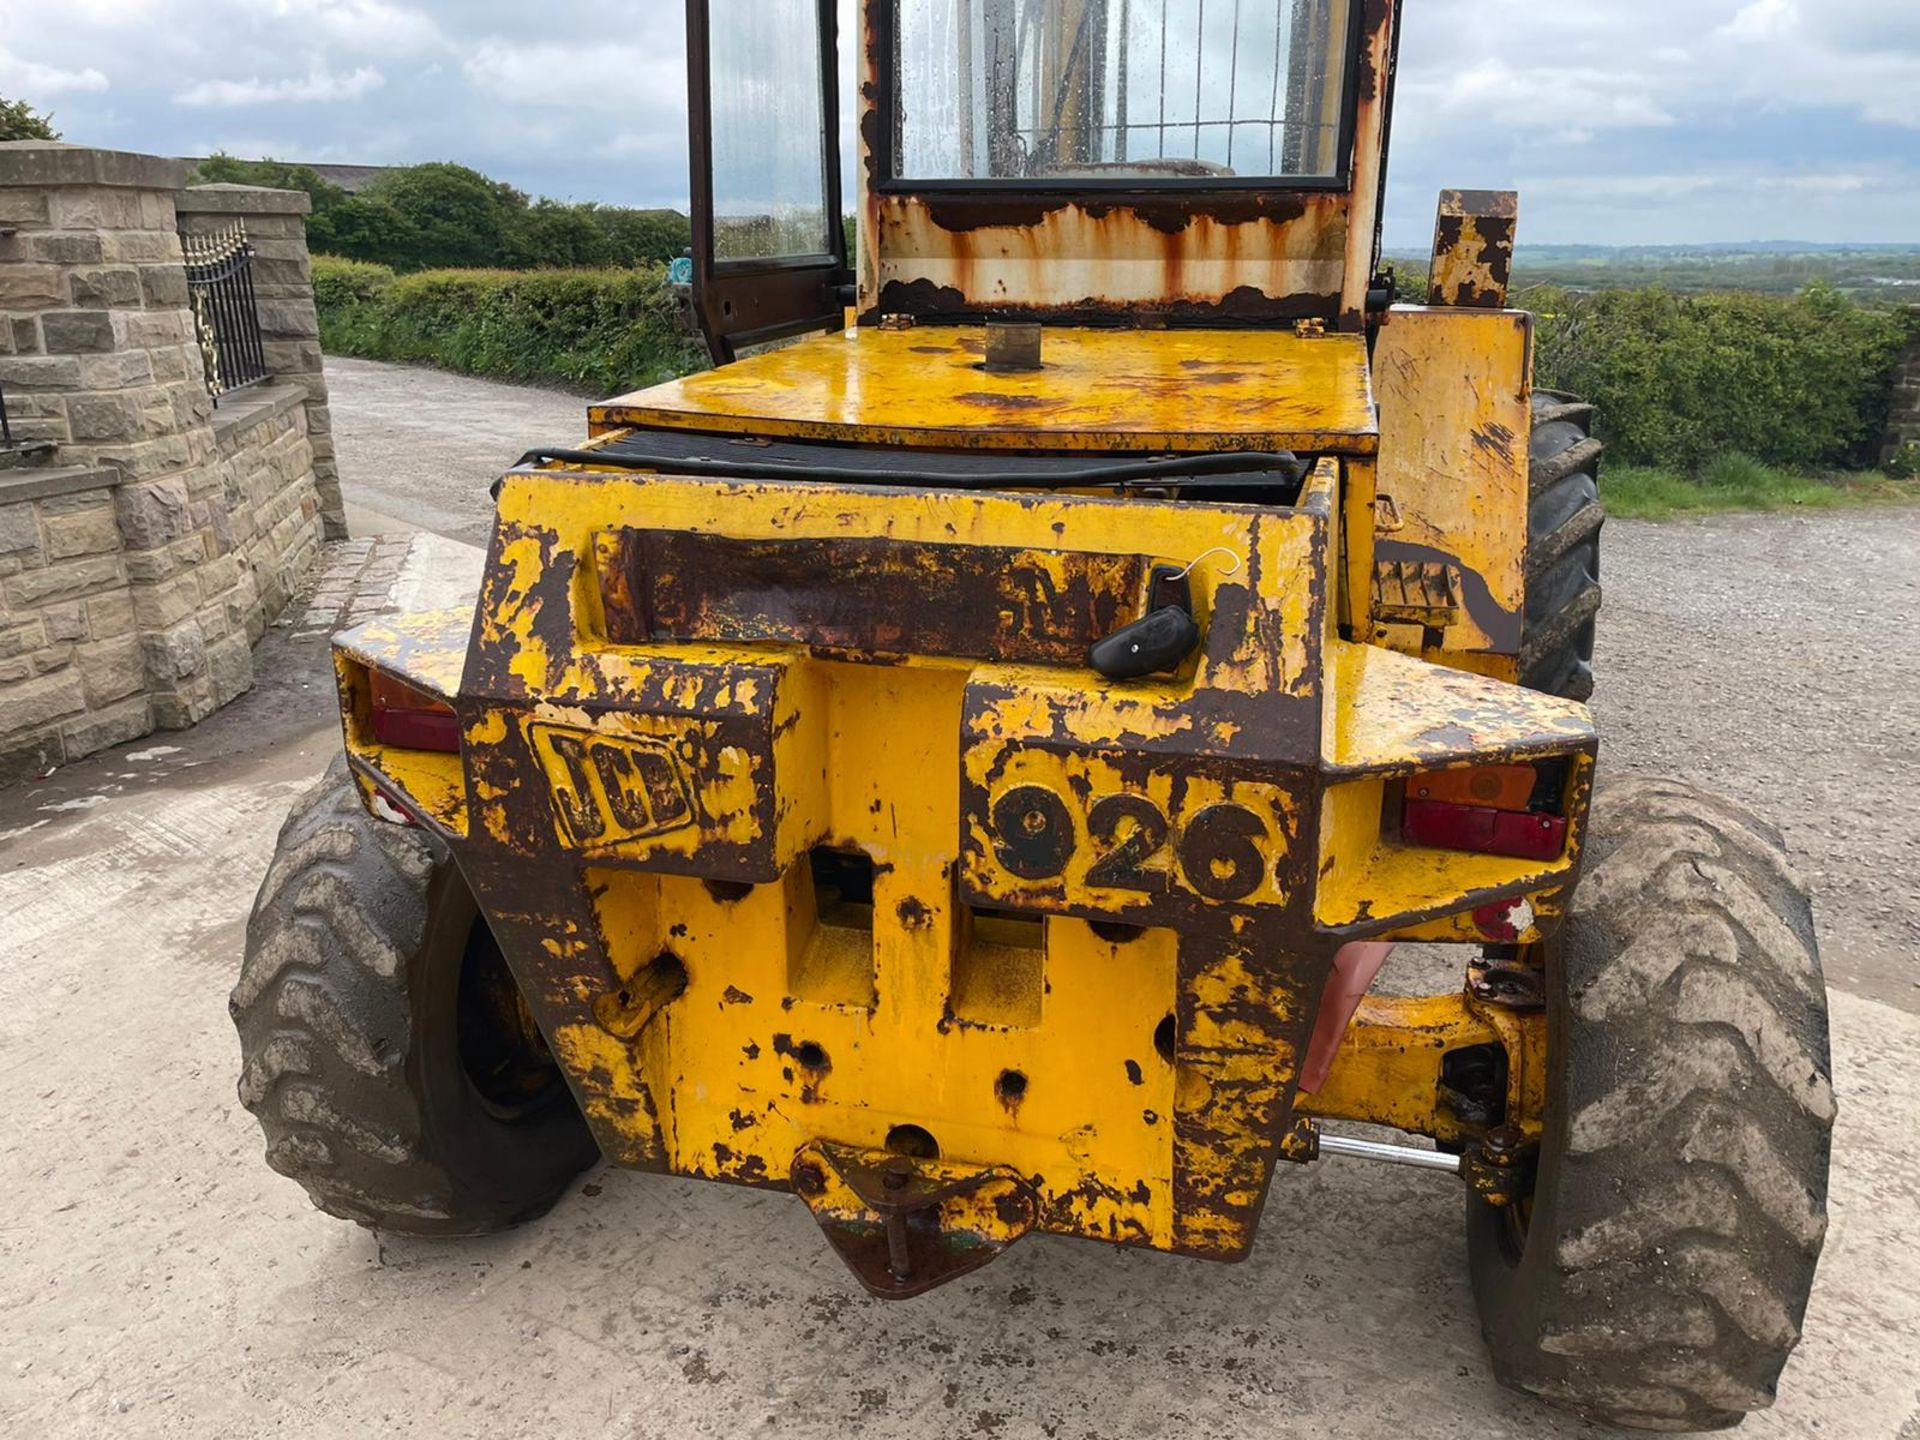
(410, 719)
(1491, 810)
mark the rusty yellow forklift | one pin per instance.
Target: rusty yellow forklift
(967, 765)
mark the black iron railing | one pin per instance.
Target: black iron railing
(225, 317)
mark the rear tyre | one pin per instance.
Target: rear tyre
(1564, 517)
(384, 1047)
(1657, 1275)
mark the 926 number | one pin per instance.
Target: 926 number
(1220, 851)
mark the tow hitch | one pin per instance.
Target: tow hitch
(905, 1225)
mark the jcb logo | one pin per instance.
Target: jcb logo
(607, 790)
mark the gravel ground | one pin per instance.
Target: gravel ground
(418, 448)
(1774, 656)
(156, 1279)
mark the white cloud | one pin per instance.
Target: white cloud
(366, 26)
(1559, 99)
(1764, 20)
(1703, 119)
(28, 77)
(626, 78)
(641, 145)
(316, 85)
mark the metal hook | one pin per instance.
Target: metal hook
(1194, 564)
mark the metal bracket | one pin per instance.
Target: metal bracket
(1414, 593)
(1508, 986)
(905, 1225)
(1496, 1168)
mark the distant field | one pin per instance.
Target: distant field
(1872, 274)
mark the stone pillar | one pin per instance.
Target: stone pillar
(283, 284)
(102, 359)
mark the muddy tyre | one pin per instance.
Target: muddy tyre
(383, 1047)
(1564, 517)
(1657, 1276)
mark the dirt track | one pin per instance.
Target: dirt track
(157, 1279)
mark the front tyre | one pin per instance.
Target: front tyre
(1657, 1275)
(384, 1047)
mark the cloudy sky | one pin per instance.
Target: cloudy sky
(1621, 121)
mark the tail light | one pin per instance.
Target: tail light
(1508, 810)
(410, 719)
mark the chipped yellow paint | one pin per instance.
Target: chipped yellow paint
(921, 1026)
(1370, 883)
(723, 788)
(1473, 248)
(1387, 716)
(983, 1203)
(1138, 390)
(1455, 390)
(1390, 713)
(423, 650)
(807, 1018)
(1387, 1071)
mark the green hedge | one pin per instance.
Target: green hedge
(602, 331)
(1803, 382)
(1800, 382)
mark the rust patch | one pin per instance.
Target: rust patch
(992, 401)
(858, 596)
(1374, 17)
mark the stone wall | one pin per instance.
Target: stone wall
(289, 324)
(73, 666)
(141, 558)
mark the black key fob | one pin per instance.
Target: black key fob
(1151, 645)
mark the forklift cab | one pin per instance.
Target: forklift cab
(1083, 162)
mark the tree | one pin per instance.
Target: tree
(640, 237)
(457, 216)
(422, 217)
(549, 234)
(364, 227)
(20, 121)
(221, 168)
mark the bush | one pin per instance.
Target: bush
(449, 215)
(1801, 382)
(599, 330)
(20, 121)
(339, 284)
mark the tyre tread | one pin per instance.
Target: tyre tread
(326, 1020)
(1699, 1109)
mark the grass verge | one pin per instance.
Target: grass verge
(1734, 482)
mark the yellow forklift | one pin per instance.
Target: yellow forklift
(968, 758)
